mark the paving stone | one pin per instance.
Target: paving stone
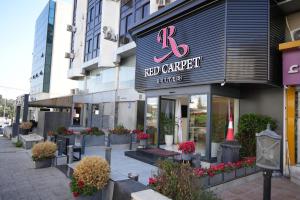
(20, 181)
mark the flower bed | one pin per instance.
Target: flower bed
(93, 137)
(120, 135)
(220, 173)
(187, 148)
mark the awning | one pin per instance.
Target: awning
(60, 102)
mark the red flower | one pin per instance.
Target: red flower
(143, 136)
(80, 184)
(89, 130)
(152, 181)
(136, 131)
(199, 172)
(76, 194)
(187, 147)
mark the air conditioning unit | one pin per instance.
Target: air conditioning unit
(124, 40)
(69, 55)
(162, 3)
(71, 28)
(116, 59)
(109, 34)
(295, 34)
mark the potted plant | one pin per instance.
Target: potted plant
(229, 172)
(120, 135)
(249, 164)
(201, 177)
(239, 169)
(93, 136)
(43, 153)
(187, 148)
(215, 173)
(25, 127)
(90, 176)
(143, 137)
(167, 126)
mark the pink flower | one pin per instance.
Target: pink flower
(76, 194)
(152, 181)
(187, 147)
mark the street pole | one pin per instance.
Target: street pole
(267, 184)
(4, 108)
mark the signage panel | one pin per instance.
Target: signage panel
(291, 67)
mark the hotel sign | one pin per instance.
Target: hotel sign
(165, 37)
(291, 67)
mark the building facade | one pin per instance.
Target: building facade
(49, 65)
(200, 63)
(291, 81)
(103, 62)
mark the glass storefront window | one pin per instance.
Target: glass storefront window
(222, 107)
(197, 122)
(126, 77)
(151, 119)
(101, 80)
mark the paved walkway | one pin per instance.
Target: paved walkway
(282, 189)
(121, 165)
(20, 181)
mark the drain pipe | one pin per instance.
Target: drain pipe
(70, 154)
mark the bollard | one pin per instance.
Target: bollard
(70, 154)
(133, 176)
(108, 154)
(267, 184)
(60, 147)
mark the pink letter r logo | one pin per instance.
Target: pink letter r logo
(165, 36)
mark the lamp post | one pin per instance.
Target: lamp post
(268, 156)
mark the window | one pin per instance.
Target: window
(131, 11)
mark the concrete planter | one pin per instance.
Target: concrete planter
(228, 176)
(94, 140)
(250, 170)
(43, 163)
(216, 179)
(186, 156)
(240, 172)
(202, 182)
(120, 139)
(96, 196)
(169, 140)
(143, 143)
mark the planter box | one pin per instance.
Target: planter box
(228, 176)
(240, 172)
(96, 196)
(143, 143)
(203, 181)
(43, 163)
(258, 169)
(94, 140)
(216, 179)
(120, 139)
(250, 170)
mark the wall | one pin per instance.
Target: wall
(50, 121)
(79, 39)
(59, 84)
(265, 101)
(109, 19)
(127, 114)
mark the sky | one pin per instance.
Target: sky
(17, 24)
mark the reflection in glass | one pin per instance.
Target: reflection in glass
(198, 119)
(167, 119)
(151, 119)
(222, 109)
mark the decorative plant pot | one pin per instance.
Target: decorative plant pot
(96, 196)
(43, 163)
(240, 172)
(120, 139)
(169, 140)
(143, 143)
(25, 131)
(186, 156)
(214, 149)
(228, 176)
(216, 179)
(94, 140)
(250, 170)
(202, 182)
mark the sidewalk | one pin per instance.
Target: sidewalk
(282, 189)
(20, 181)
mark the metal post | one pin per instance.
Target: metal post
(131, 141)
(70, 154)
(108, 154)
(267, 184)
(60, 147)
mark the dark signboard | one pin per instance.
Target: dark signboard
(209, 42)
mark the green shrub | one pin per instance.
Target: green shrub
(19, 144)
(175, 180)
(119, 130)
(249, 125)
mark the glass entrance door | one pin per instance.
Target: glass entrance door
(198, 122)
(166, 119)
